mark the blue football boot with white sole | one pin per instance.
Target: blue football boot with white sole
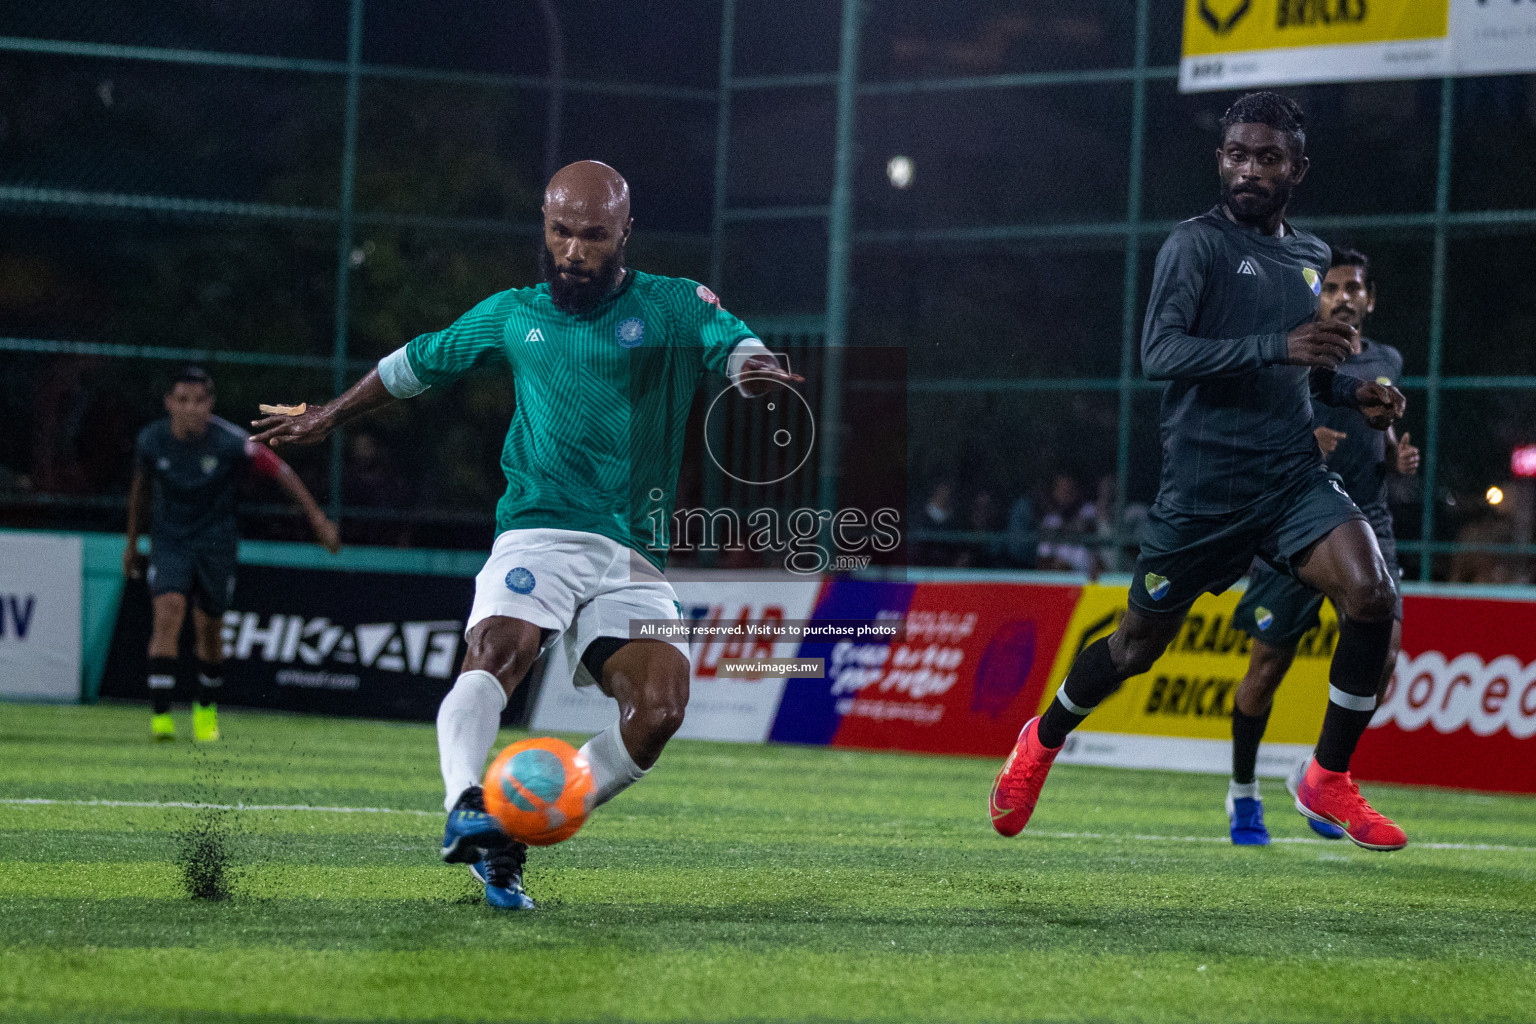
(471, 831)
(1326, 829)
(1245, 814)
(501, 872)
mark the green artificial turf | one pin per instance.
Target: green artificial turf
(736, 883)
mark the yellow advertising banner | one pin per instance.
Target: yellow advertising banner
(1242, 43)
(1225, 26)
(1188, 694)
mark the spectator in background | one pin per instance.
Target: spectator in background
(370, 478)
(1020, 543)
(1064, 525)
(937, 513)
(981, 517)
(940, 508)
(1488, 566)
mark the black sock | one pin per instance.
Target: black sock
(1092, 678)
(210, 677)
(162, 680)
(1247, 731)
(1352, 678)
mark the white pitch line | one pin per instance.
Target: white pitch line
(1291, 840)
(1109, 836)
(192, 805)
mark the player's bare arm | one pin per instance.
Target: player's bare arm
(315, 423)
(761, 374)
(1328, 439)
(138, 491)
(1402, 456)
(1380, 404)
(327, 533)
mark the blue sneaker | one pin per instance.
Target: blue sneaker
(1246, 815)
(470, 830)
(501, 871)
(1326, 829)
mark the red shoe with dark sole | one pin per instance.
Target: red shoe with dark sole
(1334, 798)
(1016, 789)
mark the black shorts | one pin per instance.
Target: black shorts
(1184, 556)
(206, 576)
(1279, 609)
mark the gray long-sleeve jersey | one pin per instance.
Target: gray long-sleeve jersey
(1361, 457)
(1236, 419)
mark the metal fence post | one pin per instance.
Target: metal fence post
(722, 141)
(839, 253)
(344, 241)
(1437, 324)
(1128, 319)
(712, 478)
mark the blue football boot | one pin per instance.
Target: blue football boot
(471, 831)
(501, 871)
(1246, 815)
(1326, 829)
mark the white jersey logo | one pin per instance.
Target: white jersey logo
(533, 335)
(1246, 268)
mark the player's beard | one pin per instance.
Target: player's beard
(1255, 208)
(580, 296)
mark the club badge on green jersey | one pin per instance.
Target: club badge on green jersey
(1263, 617)
(631, 332)
(1314, 280)
(1156, 585)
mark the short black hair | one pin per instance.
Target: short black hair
(1270, 108)
(1347, 257)
(190, 375)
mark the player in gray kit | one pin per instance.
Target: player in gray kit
(1232, 328)
(188, 465)
(1278, 610)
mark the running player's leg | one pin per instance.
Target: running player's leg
(1386, 543)
(1096, 673)
(501, 651)
(170, 611)
(1347, 565)
(526, 593)
(1181, 558)
(1251, 705)
(1275, 612)
(649, 679)
(211, 597)
(208, 643)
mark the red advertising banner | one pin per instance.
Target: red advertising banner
(969, 674)
(1461, 709)
(977, 662)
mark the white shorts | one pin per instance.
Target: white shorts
(580, 585)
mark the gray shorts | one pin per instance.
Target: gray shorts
(206, 576)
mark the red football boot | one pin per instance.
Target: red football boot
(1334, 798)
(1017, 787)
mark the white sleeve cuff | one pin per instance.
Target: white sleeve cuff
(744, 349)
(398, 377)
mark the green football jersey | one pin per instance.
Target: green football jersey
(596, 439)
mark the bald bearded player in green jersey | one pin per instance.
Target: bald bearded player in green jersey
(605, 362)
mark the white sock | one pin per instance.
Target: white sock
(467, 721)
(1239, 790)
(613, 770)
